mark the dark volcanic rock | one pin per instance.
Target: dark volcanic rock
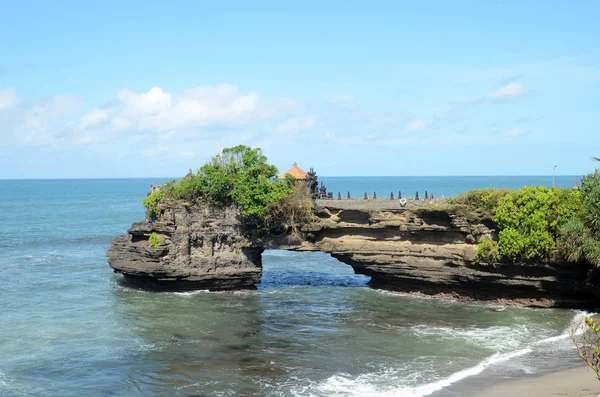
(428, 250)
(202, 247)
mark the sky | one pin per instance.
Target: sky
(354, 88)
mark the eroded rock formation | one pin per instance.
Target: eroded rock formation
(202, 247)
(426, 250)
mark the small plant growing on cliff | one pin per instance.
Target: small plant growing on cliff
(488, 252)
(244, 244)
(151, 202)
(288, 214)
(586, 337)
(154, 241)
(483, 200)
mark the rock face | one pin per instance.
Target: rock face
(432, 251)
(202, 247)
(425, 250)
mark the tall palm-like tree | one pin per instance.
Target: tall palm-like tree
(596, 158)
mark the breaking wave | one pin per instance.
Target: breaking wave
(401, 382)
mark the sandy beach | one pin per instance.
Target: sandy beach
(578, 382)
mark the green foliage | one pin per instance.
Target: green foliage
(151, 202)
(591, 192)
(288, 214)
(511, 244)
(533, 222)
(537, 245)
(577, 244)
(538, 208)
(586, 337)
(237, 176)
(529, 220)
(488, 251)
(244, 244)
(484, 200)
(579, 238)
(154, 241)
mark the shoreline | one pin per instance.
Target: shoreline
(574, 382)
(456, 296)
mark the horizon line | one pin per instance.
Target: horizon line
(321, 176)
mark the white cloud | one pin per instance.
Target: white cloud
(147, 103)
(8, 99)
(195, 115)
(120, 123)
(186, 124)
(511, 90)
(221, 106)
(94, 117)
(38, 126)
(515, 132)
(296, 125)
(415, 126)
(168, 135)
(86, 139)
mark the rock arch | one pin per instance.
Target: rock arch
(428, 250)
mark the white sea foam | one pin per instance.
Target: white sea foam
(3, 380)
(189, 293)
(414, 296)
(388, 384)
(205, 291)
(500, 338)
(383, 384)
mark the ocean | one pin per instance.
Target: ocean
(70, 327)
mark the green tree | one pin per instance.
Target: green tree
(488, 252)
(579, 239)
(529, 220)
(237, 176)
(152, 201)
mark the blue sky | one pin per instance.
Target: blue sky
(143, 89)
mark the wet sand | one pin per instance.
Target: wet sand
(578, 382)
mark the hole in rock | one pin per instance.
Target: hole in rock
(292, 269)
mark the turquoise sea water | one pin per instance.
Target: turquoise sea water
(69, 327)
(439, 186)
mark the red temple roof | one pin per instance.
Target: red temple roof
(295, 171)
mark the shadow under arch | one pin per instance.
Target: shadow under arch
(283, 269)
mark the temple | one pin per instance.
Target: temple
(295, 172)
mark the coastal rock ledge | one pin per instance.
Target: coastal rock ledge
(428, 250)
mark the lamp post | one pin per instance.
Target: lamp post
(553, 173)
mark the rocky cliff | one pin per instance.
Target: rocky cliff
(426, 250)
(201, 247)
